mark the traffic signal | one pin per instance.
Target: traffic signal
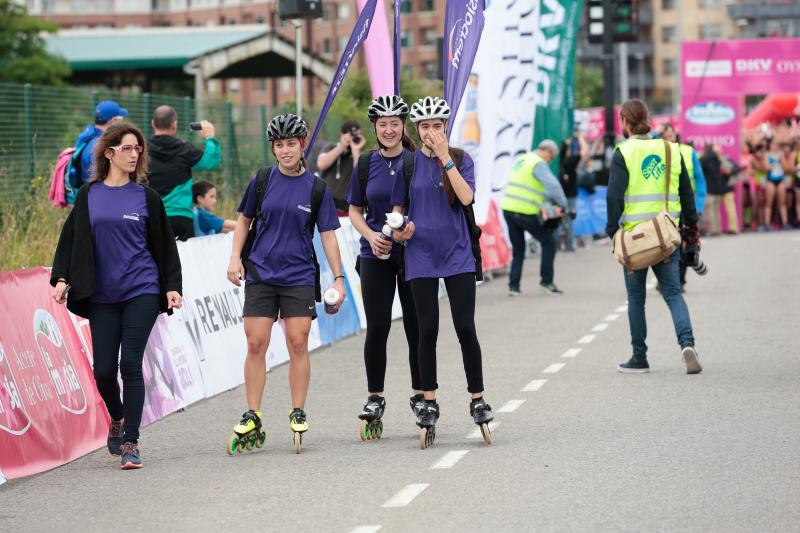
(623, 18)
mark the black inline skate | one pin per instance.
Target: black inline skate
(481, 413)
(426, 420)
(372, 418)
(247, 434)
(417, 403)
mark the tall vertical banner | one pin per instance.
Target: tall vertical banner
(357, 38)
(377, 51)
(495, 125)
(396, 45)
(463, 25)
(555, 69)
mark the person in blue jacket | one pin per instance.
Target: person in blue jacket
(106, 113)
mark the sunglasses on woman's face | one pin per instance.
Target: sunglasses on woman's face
(759, 148)
(786, 145)
(126, 149)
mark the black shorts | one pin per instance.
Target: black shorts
(273, 301)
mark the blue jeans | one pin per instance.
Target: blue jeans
(517, 226)
(668, 277)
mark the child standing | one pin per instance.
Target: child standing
(204, 195)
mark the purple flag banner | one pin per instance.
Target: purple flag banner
(357, 38)
(463, 25)
(397, 46)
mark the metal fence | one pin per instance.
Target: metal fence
(39, 122)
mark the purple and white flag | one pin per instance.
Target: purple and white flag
(357, 38)
(463, 25)
(397, 5)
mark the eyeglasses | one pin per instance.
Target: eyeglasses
(126, 149)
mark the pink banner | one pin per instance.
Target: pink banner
(50, 411)
(715, 121)
(378, 50)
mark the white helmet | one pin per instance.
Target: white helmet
(388, 105)
(428, 108)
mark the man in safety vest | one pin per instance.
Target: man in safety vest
(696, 176)
(531, 188)
(637, 192)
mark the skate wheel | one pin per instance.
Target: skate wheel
(298, 442)
(379, 430)
(364, 431)
(431, 436)
(233, 444)
(423, 438)
(262, 437)
(487, 434)
(250, 442)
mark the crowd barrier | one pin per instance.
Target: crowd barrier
(50, 410)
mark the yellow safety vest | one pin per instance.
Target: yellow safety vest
(644, 197)
(686, 152)
(524, 192)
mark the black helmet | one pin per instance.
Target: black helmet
(286, 126)
(388, 105)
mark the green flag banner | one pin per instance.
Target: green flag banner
(555, 69)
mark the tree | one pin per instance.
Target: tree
(588, 86)
(23, 56)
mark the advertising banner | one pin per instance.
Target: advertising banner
(463, 25)
(346, 321)
(495, 251)
(714, 121)
(378, 51)
(50, 411)
(495, 124)
(591, 212)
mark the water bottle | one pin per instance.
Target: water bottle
(396, 221)
(331, 298)
(386, 234)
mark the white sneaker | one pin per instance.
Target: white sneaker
(692, 362)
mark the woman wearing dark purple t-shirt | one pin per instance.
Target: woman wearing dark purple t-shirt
(280, 275)
(117, 264)
(439, 246)
(380, 263)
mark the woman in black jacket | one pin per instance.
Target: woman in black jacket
(117, 265)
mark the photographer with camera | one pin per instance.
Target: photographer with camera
(336, 162)
(534, 202)
(171, 163)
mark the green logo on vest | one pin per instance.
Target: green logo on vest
(652, 167)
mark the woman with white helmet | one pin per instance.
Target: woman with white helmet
(281, 278)
(380, 262)
(439, 246)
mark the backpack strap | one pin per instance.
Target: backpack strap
(408, 169)
(262, 182)
(363, 176)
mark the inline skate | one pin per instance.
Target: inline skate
(481, 413)
(247, 434)
(417, 403)
(426, 420)
(299, 425)
(372, 418)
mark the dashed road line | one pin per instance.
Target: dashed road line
(449, 460)
(534, 385)
(406, 495)
(476, 433)
(554, 368)
(572, 352)
(511, 406)
(621, 309)
(366, 529)
(602, 326)
(586, 339)
(611, 318)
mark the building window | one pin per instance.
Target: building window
(668, 34)
(234, 85)
(262, 85)
(431, 72)
(405, 6)
(708, 3)
(429, 37)
(326, 46)
(326, 12)
(260, 19)
(667, 4)
(343, 11)
(426, 5)
(709, 32)
(406, 39)
(781, 28)
(342, 44)
(668, 67)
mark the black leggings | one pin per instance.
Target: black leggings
(126, 324)
(461, 293)
(377, 290)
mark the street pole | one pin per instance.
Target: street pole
(608, 74)
(624, 84)
(298, 66)
(640, 74)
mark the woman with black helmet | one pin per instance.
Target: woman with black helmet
(440, 246)
(380, 263)
(280, 275)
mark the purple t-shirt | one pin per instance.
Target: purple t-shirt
(380, 185)
(124, 268)
(282, 249)
(441, 246)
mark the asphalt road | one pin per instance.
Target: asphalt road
(582, 449)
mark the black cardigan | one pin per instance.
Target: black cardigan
(74, 258)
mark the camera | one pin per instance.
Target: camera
(691, 257)
(354, 135)
(195, 126)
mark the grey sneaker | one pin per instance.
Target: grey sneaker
(550, 288)
(131, 458)
(512, 293)
(114, 440)
(634, 366)
(692, 362)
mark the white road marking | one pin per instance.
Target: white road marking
(366, 529)
(450, 459)
(511, 406)
(476, 433)
(621, 309)
(586, 339)
(534, 385)
(572, 352)
(406, 495)
(554, 368)
(611, 318)
(602, 326)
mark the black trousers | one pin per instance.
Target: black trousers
(378, 279)
(461, 293)
(182, 227)
(119, 337)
